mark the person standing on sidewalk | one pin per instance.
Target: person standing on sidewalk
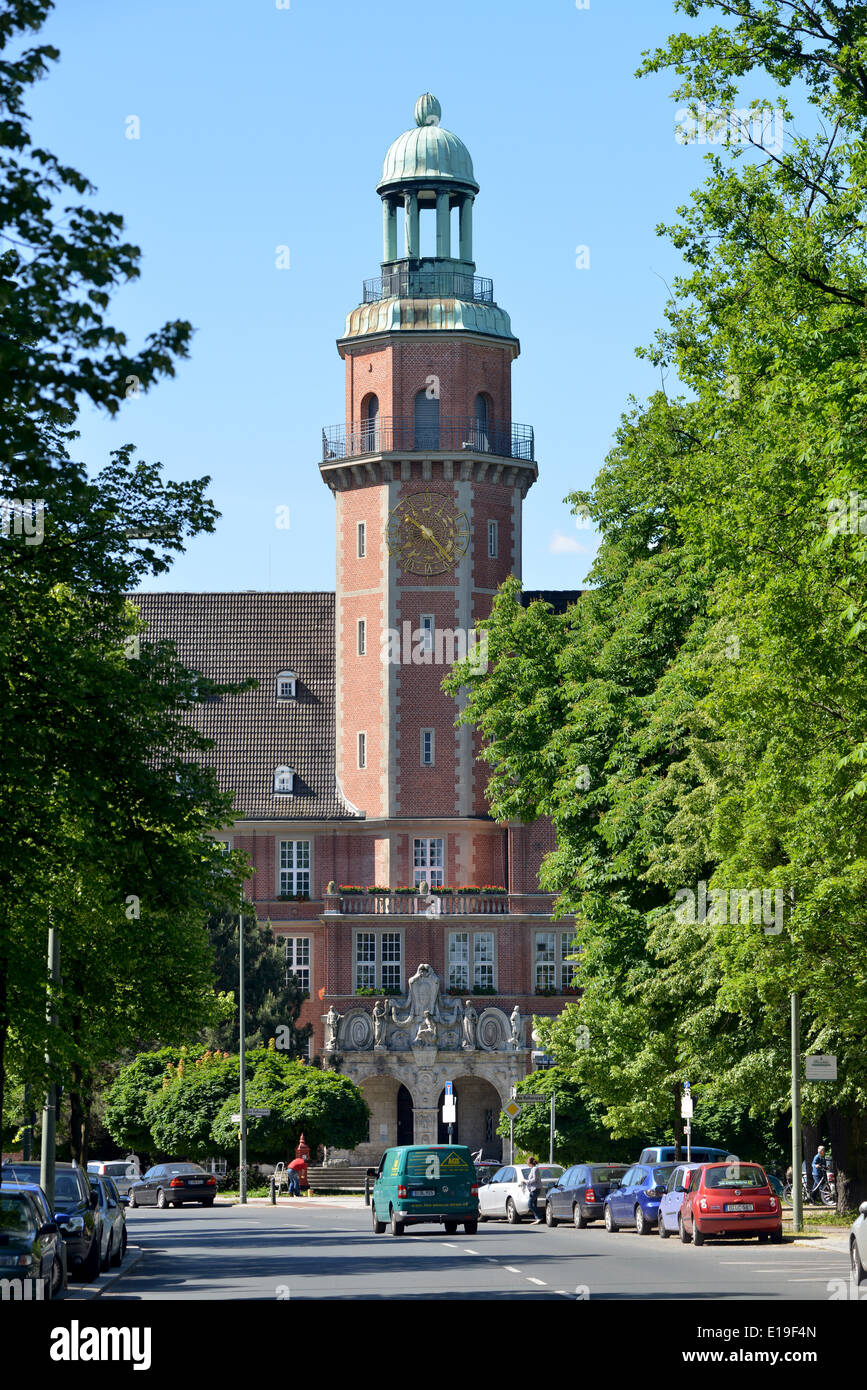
(820, 1172)
(533, 1184)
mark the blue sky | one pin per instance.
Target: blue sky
(263, 127)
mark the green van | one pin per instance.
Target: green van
(419, 1184)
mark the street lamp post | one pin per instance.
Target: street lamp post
(797, 1208)
(49, 1113)
(242, 1181)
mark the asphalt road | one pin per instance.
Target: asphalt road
(301, 1251)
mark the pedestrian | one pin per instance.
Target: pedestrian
(294, 1186)
(533, 1184)
(820, 1171)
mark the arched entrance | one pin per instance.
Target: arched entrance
(478, 1107)
(405, 1134)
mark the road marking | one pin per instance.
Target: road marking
(512, 1269)
(815, 1280)
(450, 1245)
(470, 1252)
(531, 1280)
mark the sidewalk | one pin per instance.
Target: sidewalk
(337, 1199)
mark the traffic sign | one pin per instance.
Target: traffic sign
(511, 1109)
(686, 1107)
(449, 1088)
(257, 1111)
(530, 1100)
(450, 1114)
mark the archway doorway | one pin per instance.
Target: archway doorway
(478, 1107)
(405, 1133)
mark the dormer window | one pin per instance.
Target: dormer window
(286, 685)
(284, 779)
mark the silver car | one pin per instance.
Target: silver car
(858, 1245)
(123, 1171)
(113, 1208)
(507, 1193)
(672, 1200)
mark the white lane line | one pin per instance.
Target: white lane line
(450, 1245)
(531, 1280)
(470, 1252)
(816, 1280)
(512, 1269)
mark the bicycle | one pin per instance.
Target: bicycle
(827, 1193)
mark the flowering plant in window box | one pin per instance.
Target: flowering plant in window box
(368, 992)
(443, 892)
(376, 888)
(549, 992)
(352, 888)
(492, 888)
(293, 897)
(483, 989)
(470, 889)
(404, 890)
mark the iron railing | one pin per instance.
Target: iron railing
(409, 283)
(394, 435)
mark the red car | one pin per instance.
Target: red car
(730, 1199)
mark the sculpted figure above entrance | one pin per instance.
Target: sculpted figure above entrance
(425, 1017)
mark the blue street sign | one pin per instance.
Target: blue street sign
(450, 1088)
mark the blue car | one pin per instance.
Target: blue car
(634, 1201)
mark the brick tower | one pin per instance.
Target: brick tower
(429, 473)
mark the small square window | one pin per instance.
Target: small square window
(426, 632)
(427, 747)
(362, 636)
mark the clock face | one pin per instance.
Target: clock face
(427, 533)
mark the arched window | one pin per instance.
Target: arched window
(286, 685)
(284, 779)
(482, 424)
(370, 424)
(426, 432)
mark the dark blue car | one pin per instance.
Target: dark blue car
(635, 1200)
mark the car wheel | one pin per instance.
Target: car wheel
(450, 1228)
(859, 1273)
(207, 1201)
(643, 1224)
(104, 1259)
(378, 1226)
(397, 1227)
(470, 1227)
(512, 1213)
(579, 1220)
(56, 1278)
(132, 1200)
(162, 1200)
(662, 1228)
(118, 1255)
(610, 1224)
(697, 1237)
(90, 1267)
(680, 1226)
(777, 1237)
(550, 1218)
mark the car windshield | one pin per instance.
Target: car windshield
(65, 1183)
(662, 1174)
(607, 1174)
(735, 1175)
(16, 1217)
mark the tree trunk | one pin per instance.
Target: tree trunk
(847, 1129)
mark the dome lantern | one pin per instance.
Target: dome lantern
(427, 168)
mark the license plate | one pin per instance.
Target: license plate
(739, 1206)
(191, 1182)
(425, 1192)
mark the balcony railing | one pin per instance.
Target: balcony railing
(408, 905)
(404, 283)
(395, 435)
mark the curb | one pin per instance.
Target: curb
(134, 1256)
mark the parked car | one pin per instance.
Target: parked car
(112, 1206)
(858, 1245)
(672, 1199)
(172, 1184)
(724, 1199)
(579, 1194)
(31, 1242)
(421, 1184)
(485, 1169)
(76, 1211)
(505, 1195)
(698, 1153)
(635, 1200)
(124, 1172)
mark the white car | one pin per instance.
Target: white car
(507, 1193)
(671, 1202)
(858, 1245)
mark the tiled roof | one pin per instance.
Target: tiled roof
(230, 637)
(559, 599)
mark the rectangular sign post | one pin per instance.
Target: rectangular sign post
(821, 1067)
(686, 1109)
(449, 1107)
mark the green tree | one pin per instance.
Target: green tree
(579, 1134)
(272, 998)
(328, 1109)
